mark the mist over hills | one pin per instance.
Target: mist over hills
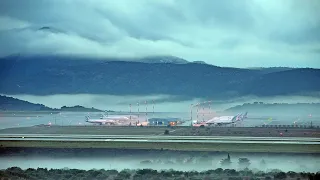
(47, 75)
(266, 70)
(15, 104)
(277, 108)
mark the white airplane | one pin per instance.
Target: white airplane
(224, 120)
(100, 121)
(118, 118)
(107, 119)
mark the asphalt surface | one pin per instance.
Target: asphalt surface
(155, 139)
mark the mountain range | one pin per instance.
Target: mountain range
(49, 74)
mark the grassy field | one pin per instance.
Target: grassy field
(96, 130)
(179, 131)
(229, 147)
(185, 131)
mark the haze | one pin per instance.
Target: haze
(131, 159)
(163, 103)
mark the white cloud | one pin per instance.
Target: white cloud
(8, 23)
(226, 33)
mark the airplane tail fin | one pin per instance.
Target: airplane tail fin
(235, 118)
(245, 115)
(87, 118)
(102, 115)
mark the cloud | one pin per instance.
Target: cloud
(9, 23)
(226, 33)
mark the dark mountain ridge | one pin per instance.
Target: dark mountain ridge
(45, 75)
(10, 104)
(14, 104)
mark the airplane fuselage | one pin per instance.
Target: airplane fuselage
(100, 121)
(221, 120)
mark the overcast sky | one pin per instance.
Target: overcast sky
(237, 33)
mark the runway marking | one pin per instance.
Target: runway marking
(160, 136)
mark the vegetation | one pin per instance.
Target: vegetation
(244, 163)
(78, 108)
(141, 174)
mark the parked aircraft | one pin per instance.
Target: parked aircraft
(224, 120)
(100, 121)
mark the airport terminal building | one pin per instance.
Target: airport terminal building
(164, 121)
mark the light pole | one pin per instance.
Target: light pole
(203, 113)
(146, 110)
(130, 111)
(191, 113)
(138, 110)
(152, 108)
(197, 112)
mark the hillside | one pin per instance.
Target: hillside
(78, 109)
(45, 75)
(13, 104)
(285, 82)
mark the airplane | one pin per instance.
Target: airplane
(100, 121)
(224, 120)
(199, 124)
(107, 119)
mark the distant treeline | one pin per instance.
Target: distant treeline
(78, 108)
(143, 174)
(13, 104)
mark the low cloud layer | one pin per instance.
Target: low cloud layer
(161, 103)
(246, 33)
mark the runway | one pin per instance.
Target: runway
(158, 139)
